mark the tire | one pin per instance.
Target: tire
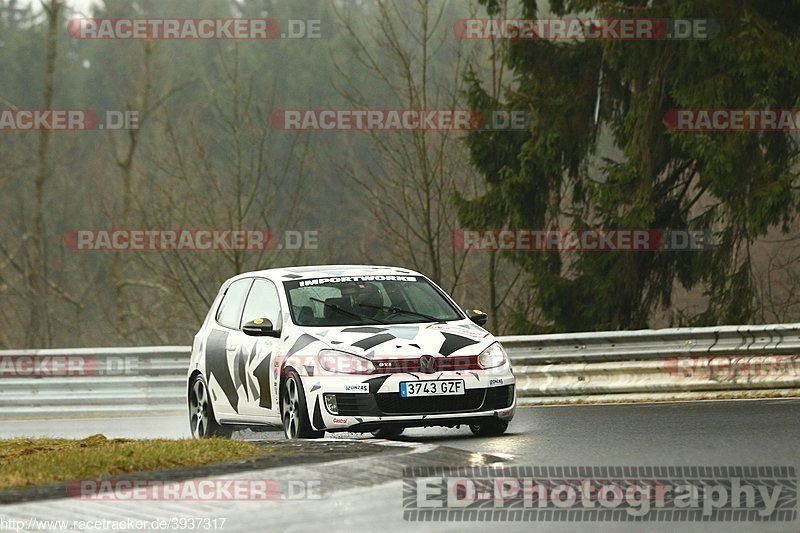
(294, 411)
(490, 428)
(388, 432)
(202, 423)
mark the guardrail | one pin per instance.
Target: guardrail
(648, 365)
(93, 381)
(651, 365)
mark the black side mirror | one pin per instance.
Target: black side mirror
(479, 317)
(260, 327)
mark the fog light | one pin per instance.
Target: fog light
(330, 403)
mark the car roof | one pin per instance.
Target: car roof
(322, 271)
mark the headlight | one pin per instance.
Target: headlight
(344, 363)
(493, 356)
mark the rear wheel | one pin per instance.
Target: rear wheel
(294, 412)
(489, 428)
(388, 432)
(201, 412)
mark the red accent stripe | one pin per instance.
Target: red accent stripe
(441, 364)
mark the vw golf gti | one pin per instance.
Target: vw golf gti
(345, 348)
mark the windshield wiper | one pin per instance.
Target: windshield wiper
(396, 310)
(346, 312)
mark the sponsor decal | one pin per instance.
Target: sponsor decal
(340, 421)
(495, 381)
(363, 387)
(351, 279)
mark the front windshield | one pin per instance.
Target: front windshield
(365, 300)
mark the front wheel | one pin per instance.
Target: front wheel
(294, 413)
(490, 428)
(201, 412)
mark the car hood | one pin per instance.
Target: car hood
(406, 340)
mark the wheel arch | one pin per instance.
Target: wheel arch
(190, 380)
(192, 376)
(285, 369)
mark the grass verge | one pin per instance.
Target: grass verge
(27, 462)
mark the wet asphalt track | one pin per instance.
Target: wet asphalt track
(754, 433)
(763, 432)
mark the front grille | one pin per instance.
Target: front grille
(394, 404)
(412, 365)
(391, 403)
(499, 397)
(348, 404)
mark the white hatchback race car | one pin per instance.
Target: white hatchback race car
(345, 348)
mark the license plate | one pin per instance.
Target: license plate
(451, 387)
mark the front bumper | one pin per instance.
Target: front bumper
(391, 404)
(381, 405)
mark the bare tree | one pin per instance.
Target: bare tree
(38, 327)
(417, 171)
(213, 167)
(145, 100)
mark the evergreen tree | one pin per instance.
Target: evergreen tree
(560, 173)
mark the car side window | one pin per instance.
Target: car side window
(263, 302)
(228, 314)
